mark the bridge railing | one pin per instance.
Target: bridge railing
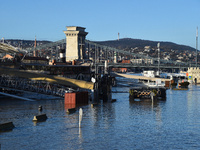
(38, 86)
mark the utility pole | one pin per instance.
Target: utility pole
(196, 46)
(34, 51)
(96, 68)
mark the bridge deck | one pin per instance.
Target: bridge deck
(49, 78)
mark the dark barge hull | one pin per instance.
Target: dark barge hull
(146, 92)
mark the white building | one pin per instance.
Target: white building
(194, 74)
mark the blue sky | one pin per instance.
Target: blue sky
(158, 20)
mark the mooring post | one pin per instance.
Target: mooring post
(80, 116)
(152, 96)
(40, 118)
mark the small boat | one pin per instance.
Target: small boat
(179, 81)
(149, 83)
(183, 84)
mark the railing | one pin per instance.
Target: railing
(32, 85)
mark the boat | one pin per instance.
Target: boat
(149, 73)
(179, 80)
(157, 83)
(149, 83)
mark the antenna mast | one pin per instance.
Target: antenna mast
(34, 52)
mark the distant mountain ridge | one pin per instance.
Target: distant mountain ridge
(128, 43)
(125, 43)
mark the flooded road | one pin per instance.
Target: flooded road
(170, 124)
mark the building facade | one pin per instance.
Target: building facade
(194, 74)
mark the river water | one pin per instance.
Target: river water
(170, 124)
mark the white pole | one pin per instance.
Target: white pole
(106, 67)
(80, 116)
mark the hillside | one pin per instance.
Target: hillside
(24, 43)
(168, 50)
(128, 43)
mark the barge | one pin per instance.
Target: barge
(147, 93)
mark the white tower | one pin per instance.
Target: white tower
(75, 43)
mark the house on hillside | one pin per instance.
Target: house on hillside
(8, 57)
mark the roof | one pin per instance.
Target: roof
(8, 56)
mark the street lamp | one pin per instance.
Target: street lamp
(158, 45)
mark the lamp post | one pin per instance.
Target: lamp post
(158, 45)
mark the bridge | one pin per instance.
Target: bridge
(22, 79)
(100, 53)
(6, 48)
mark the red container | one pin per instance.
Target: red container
(76, 98)
(70, 106)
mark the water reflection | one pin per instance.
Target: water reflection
(145, 104)
(170, 124)
(103, 113)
